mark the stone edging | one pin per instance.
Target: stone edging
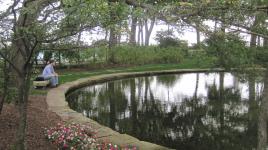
(56, 103)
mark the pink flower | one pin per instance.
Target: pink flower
(65, 146)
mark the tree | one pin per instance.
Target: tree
(33, 26)
(229, 49)
(168, 39)
(134, 20)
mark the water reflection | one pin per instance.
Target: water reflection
(216, 111)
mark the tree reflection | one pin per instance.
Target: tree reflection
(262, 119)
(168, 81)
(222, 120)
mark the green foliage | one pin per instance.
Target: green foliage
(229, 50)
(261, 55)
(94, 55)
(168, 39)
(71, 56)
(147, 55)
(48, 55)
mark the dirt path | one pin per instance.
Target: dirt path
(38, 118)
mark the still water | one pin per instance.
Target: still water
(193, 111)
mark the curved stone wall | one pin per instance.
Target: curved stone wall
(56, 103)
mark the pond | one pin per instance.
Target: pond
(206, 111)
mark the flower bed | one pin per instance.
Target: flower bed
(79, 137)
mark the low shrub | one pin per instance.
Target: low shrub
(79, 137)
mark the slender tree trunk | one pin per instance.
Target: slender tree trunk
(112, 39)
(197, 34)
(259, 41)
(215, 26)
(106, 35)
(148, 31)
(5, 84)
(78, 43)
(24, 82)
(253, 42)
(223, 27)
(112, 43)
(132, 39)
(59, 58)
(141, 32)
(256, 23)
(139, 37)
(265, 42)
(24, 44)
(119, 35)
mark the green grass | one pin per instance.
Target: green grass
(68, 76)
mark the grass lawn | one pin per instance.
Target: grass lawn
(68, 76)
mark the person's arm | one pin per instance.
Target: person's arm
(45, 72)
(53, 71)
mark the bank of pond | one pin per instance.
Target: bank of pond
(205, 111)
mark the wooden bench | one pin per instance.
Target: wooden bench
(41, 84)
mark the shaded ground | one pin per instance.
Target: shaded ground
(38, 118)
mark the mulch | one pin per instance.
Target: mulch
(38, 117)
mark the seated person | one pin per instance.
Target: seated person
(50, 74)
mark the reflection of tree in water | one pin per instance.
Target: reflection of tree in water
(80, 101)
(220, 121)
(168, 81)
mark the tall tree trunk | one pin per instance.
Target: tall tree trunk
(265, 42)
(24, 44)
(223, 23)
(197, 34)
(148, 31)
(5, 84)
(253, 42)
(59, 53)
(24, 86)
(259, 41)
(112, 38)
(139, 36)
(256, 23)
(134, 19)
(215, 26)
(106, 34)
(119, 35)
(141, 32)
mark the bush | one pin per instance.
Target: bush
(139, 55)
(229, 50)
(261, 55)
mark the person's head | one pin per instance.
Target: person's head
(52, 62)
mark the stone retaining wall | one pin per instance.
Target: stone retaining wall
(57, 103)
